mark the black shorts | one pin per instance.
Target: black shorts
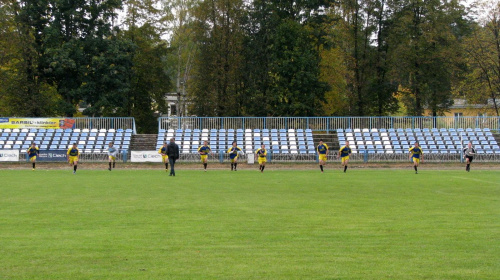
(470, 158)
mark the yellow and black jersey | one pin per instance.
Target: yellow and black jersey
(345, 151)
(33, 152)
(416, 152)
(261, 152)
(73, 152)
(234, 150)
(322, 149)
(204, 150)
(162, 150)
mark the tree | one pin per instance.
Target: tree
(360, 66)
(105, 84)
(481, 83)
(148, 79)
(283, 73)
(217, 89)
(334, 71)
(78, 47)
(425, 42)
(295, 88)
(184, 48)
(22, 91)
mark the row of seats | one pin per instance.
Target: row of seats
(14, 130)
(90, 140)
(419, 134)
(279, 141)
(433, 140)
(407, 130)
(248, 130)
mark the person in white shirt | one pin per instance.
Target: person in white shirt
(469, 153)
(112, 152)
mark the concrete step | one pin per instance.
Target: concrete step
(143, 142)
(331, 139)
(497, 137)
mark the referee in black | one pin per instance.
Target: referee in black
(173, 155)
(469, 153)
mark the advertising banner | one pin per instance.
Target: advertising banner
(145, 156)
(51, 156)
(47, 123)
(9, 155)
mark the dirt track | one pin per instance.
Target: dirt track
(272, 166)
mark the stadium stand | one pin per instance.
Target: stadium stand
(279, 141)
(398, 141)
(300, 141)
(287, 139)
(88, 140)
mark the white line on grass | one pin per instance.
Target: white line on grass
(478, 180)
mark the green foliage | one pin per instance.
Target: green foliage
(480, 83)
(235, 58)
(22, 91)
(148, 79)
(294, 89)
(217, 89)
(82, 58)
(184, 49)
(334, 72)
(105, 84)
(426, 54)
(366, 87)
(282, 77)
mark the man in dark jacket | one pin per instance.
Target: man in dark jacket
(173, 155)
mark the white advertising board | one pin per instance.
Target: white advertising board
(145, 156)
(9, 155)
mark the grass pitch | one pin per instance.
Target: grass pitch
(142, 224)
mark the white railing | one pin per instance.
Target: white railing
(106, 122)
(327, 124)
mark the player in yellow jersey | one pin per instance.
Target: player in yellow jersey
(344, 154)
(416, 155)
(33, 152)
(164, 156)
(73, 155)
(261, 156)
(204, 151)
(322, 151)
(233, 152)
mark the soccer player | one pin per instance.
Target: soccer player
(73, 155)
(322, 150)
(415, 155)
(261, 155)
(469, 153)
(233, 155)
(33, 152)
(112, 152)
(204, 151)
(344, 154)
(164, 156)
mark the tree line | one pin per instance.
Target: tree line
(246, 58)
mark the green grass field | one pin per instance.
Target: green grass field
(143, 224)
